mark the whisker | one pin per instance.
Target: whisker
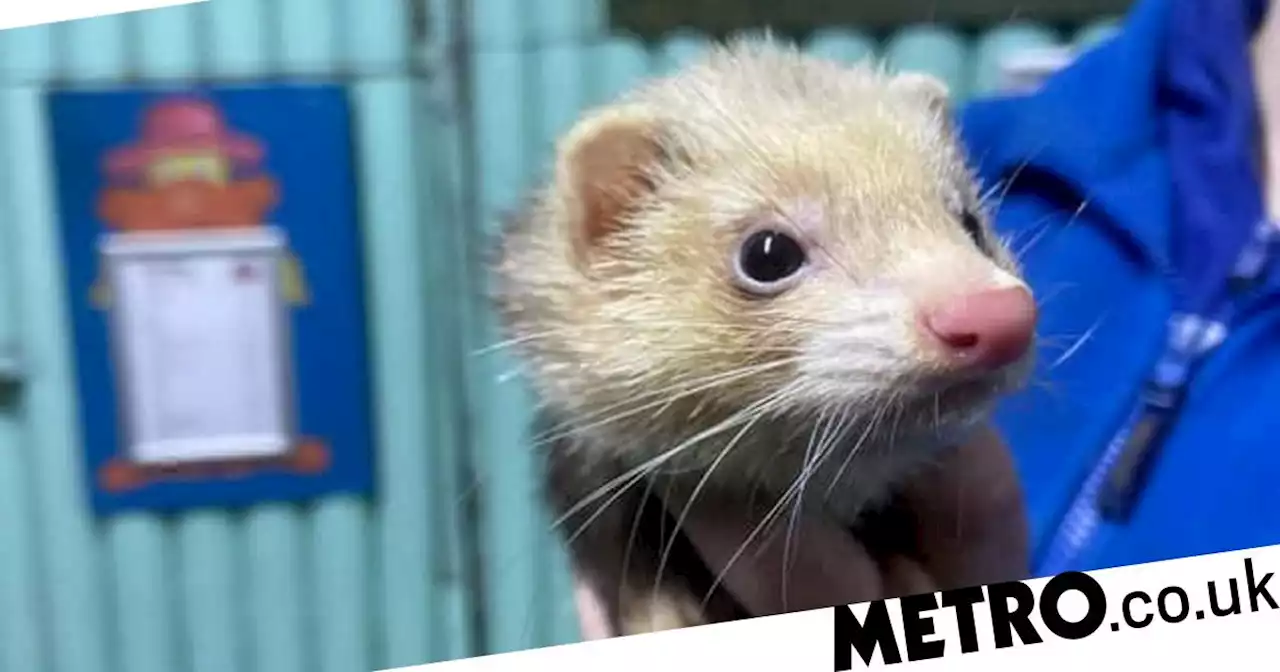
(1078, 344)
(631, 537)
(937, 412)
(758, 411)
(643, 470)
(702, 385)
(830, 439)
(768, 520)
(1052, 293)
(857, 447)
(818, 426)
(600, 510)
(509, 376)
(576, 332)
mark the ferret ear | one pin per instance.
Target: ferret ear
(928, 89)
(604, 168)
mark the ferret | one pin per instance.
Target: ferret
(763, 271)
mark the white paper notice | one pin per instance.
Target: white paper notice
(199, 333)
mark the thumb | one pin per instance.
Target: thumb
(969, 514)
(593, 618)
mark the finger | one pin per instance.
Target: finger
(795, 565)
(593, 619)
(906, 576)
(969, 514)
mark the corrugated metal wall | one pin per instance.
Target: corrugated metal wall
(341, 585)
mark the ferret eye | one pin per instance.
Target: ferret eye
(973, 226)
(769, 257)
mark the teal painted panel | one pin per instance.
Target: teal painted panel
(339, 606)
(21, 628)
(407, 494)
(375, 36)
(561, 22)
(842, 45)
(27, 55)
(139, 553)
(678, 51)
(438, 34)
(933, 49)
(1000, 42)
(337, 612)
(513, 24)
(614, 67)
(561, 83)
(166, 45)
(498, 24)
(510, 529)
(444, 248)
(211, 584)
(275, 589)
(68, 544)
(441, 291)
(94, 50)
(419, 618)
(237, 32)
(23, 570)
(307, 36)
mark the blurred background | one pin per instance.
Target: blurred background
(455, 104)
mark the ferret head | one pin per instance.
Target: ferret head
(766, 234)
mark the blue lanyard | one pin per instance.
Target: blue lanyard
(1111, 489)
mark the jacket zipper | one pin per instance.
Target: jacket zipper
(1113, 485)
(1080, 524)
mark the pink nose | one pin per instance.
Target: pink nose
(987, 329)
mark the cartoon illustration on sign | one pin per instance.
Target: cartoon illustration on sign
(197, 286)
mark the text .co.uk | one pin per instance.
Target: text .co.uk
(1009, 609)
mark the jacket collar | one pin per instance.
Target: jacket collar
(1101, 126)
(1095, 127)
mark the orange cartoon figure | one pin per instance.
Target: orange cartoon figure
(188, 172)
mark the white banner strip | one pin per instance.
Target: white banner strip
(22, 13)
(1024, 71)
(1217, 612)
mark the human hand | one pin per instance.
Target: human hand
(962, 519)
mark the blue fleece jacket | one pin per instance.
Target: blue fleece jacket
(1128, 186)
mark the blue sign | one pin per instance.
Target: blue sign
(213, 267)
